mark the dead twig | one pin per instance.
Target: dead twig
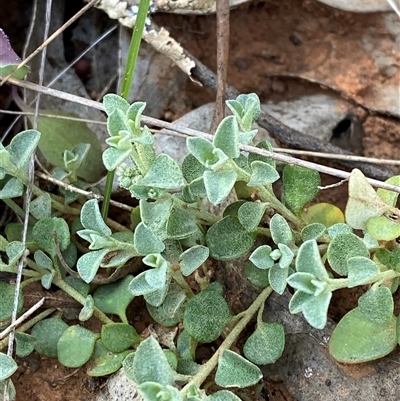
(88, 194)
(288, 136)
(51, 38)
(223, 10)
(172, 127)
(23, 317)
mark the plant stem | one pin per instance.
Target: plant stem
(208, 367)
(178, 277)
(14, 207)
(80, 298)
(338, 283)
(279, 207)
(129, 70)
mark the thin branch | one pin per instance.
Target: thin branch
(88, 194)
(337, 184)
(23, 317)
(191, 132)
(59, 117)
(51, 38)
(395, 7)
(321, 155)
(223, 10)
(336, 156)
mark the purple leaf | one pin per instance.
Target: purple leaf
(9, 60)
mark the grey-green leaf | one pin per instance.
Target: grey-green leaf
(13, 188)
(361, 270)
(377, 304)
(163, 173)
(115, 297)
(309, 260)
(192, 258)
(277, 278)
(227, 137)
(76, 346)
(266, 344)
(59, 135)
(250, 214)
(89, 263)
(91, 218)
(262, 174)
(146, 242)
(235, 371)
(47, 333)
(149, 364)
(8, 366)
(7, 300)
(206, 315)
(228, 239)
(280, 230)
(219, 184)
(300, 186)
(342, 248)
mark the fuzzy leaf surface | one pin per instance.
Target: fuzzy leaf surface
(91, 218)
(250, 214)
(262, 174)
(268, 337)
(382, 228)
(8, 366)
(47, 333)
(300, 186)
(363, 202)
(342, 248)
(118, 337)
(163, 173)
(218, 184)
(377, 304)
(360, 270)
(58, 135)
(193, 258)
(280, 230)
(235, 371)
(114, 298)
(357, 339)
(149, 364)
(206, 315)
(227, 137)
(228, 239)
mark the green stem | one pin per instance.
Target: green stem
(107, 194)
(129, 70)
(266, 232)
(80, 298)
(14, 207)
(267, 196)
(208, 367)
(134, 47)
(178, 277)
(338, 283)
(29, 281)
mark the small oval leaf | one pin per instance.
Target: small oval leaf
(357, 339)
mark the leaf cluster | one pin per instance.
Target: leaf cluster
(315, 249)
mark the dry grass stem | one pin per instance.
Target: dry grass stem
(191, 132)
(88, 194)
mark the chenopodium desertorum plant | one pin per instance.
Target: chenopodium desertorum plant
(313, 249)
